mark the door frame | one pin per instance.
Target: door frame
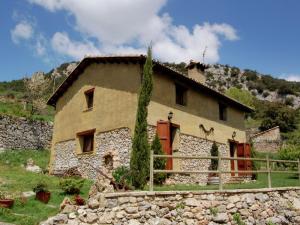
(233, 163)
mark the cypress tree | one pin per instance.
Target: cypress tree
(159, 163)
(140, 154)
(214, 152)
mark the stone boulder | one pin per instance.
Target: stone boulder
(30, 166)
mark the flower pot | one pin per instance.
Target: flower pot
(6, 203)
(43, 196)
(79, 200)
(213, 179)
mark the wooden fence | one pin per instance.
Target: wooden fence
(219, 171)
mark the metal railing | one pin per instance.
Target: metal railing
(219, 171)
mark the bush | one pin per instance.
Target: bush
(214, 152)
(240, 95)
(41, 186)
(289, 101)
(235, 71)
(71, 185)
(159, 163)
(250, 75)
(122, 176)
(290, 152)
(265, 94)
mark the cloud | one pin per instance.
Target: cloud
(291, 77)
(126, 27)
(22, 31)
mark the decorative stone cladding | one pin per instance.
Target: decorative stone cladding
(254, 207)
(112, 149)
(194, 146)
(23, 133)
(267, 141)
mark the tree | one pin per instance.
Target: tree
(140, 154)
(240, 95)
(214, 152)
(159, 163)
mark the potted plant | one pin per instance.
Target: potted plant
(213, 178)
(6, 202)
(79, 200)
(41, 192)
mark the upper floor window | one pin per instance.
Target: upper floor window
(89, 96)
(222, 111)
(181, 95)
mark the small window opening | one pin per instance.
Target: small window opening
(86, 140)
(181, 95)
(108, 162)
(89, 95)
(222, 112)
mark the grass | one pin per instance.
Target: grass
(278, 180)
(16, 180)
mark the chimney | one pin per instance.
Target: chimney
(196, 71)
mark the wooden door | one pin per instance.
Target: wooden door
(241, 153)
(247, 153)
(164, 134)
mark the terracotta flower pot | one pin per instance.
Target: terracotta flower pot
(43, 196)
(6, 203)
(79, 200)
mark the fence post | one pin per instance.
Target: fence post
(220, 172)
(299, 169)
(151, 171)
(269, 172)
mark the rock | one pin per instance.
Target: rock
(192, 202)
(261, 197)
(296, 203)
(65, 202)
(230, 206)
(221, 218)
(134, 222)
(60, 218)
(34, 169)
(131, 210)
(164, 221)
(72, 215)
(91, 218)
(234, 199)
(69, 209)
(28, 194)
(93, 203)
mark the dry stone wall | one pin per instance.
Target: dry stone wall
(114, 146)
(22, 133)
(253, 207)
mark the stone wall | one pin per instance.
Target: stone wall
(194, 146)
(254, 207)
(116, 145)
(113, 145)
(267, 141)
(22, 133)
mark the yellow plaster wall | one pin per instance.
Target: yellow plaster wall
(115, 103)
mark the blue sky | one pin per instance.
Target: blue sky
(37, 35)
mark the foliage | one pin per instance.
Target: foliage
(41, 186)
(255, 164)
(122, 176)
(140, 154)
(289, 152)
(250, 75)
(158, 163)
(238, 219)
(235, 71)
(289, 101)
(213, 211)
(71, 185)
(180, 67)
(276, 114)
(240, 95)
(214, 152)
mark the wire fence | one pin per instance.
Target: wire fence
(268, 169)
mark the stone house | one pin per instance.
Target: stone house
(267, 141)
(96, 110)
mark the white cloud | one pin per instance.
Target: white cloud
(22, 31)
(62, 44)
(126, 27)
(291, 77)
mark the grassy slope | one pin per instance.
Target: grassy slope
(17, 180)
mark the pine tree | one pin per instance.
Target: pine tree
(159, 163)
(140, 154)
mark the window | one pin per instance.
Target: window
(222, 111)
(89, 96)
(86, 140)
(181, 98)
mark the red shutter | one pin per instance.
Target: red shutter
(163, 131)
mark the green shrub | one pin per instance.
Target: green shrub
(41, 186)
(265, 94)
(238, 219)
(289, 152)
(289, 101)
(71, 185)
(122, 176)
(240, 95)
(159, 163)
(214, 152)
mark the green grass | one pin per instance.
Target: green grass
(278, 180)
(17, 180)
